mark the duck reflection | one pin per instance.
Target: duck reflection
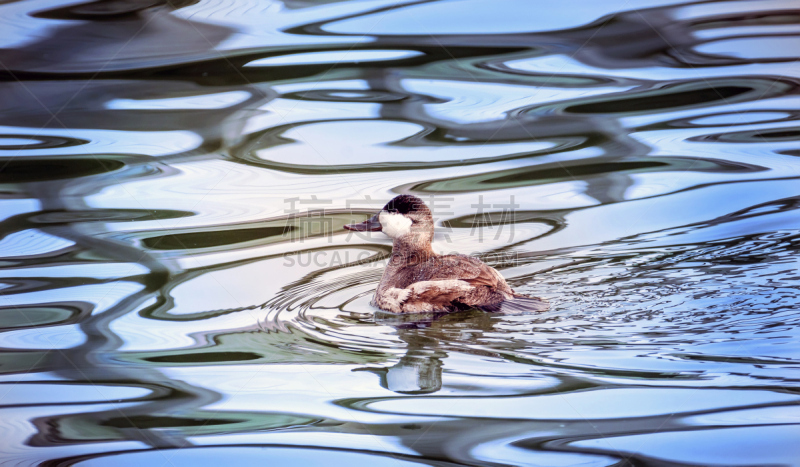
(419, 371)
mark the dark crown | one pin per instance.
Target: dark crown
(405, 204)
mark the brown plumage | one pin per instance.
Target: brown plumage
(419, 280)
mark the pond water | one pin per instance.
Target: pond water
(176, 286)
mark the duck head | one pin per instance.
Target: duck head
(405, 218)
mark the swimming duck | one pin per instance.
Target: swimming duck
(419, 280)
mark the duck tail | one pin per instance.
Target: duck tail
(518, 304)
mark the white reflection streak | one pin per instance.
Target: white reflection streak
(207, 101)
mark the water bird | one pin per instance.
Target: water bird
(419, 280)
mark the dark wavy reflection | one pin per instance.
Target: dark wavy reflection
(175, 279)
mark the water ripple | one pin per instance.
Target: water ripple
(175, 278)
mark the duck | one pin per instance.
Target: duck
(418, 280)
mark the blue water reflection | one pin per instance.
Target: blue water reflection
(176, 285)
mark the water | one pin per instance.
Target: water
(176, 286)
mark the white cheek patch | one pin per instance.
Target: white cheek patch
(393, 224)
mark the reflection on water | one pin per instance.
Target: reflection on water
(176, 284)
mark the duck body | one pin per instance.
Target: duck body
(419, 280)
(440, 283)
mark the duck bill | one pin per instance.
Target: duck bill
(370, 225)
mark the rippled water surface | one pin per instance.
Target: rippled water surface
(176, 286)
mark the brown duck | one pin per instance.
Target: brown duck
(419, 280)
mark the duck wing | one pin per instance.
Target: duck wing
(438, 291)
(447, 283)
(450, 282)
(422, 296)
(466, 269)
(496, 296)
